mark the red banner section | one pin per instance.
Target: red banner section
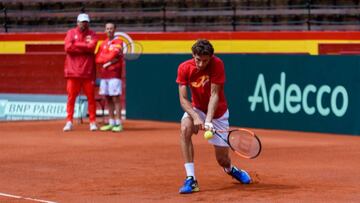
(281, 35)
(342, 49)
(44, 48)
(32, 73)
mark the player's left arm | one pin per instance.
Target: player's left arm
(213, 102)
(88, 45)
(217, 76)
(117, 52)
(111, 56)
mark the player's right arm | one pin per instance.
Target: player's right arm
(103, 57)
(188, 108)
(69, 42)
(108, 56)
(74, 46)
(99, 56)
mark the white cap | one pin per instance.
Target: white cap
(83, 17)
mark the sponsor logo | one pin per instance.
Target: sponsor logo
(201, 81)
(282, 97)
(2, 108)
(26, 110)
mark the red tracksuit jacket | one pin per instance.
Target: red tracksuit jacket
(108, 51)
(80, 58)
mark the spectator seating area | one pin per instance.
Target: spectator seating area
(182, 15)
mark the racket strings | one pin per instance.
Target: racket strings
(133, 50)
(244, 143)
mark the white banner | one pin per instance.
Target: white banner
(35, 110)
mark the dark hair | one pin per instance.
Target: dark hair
(202, 47)
(110, 22)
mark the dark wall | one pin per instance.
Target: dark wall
(306, 93)
(292, 92)
(330, 106)
(151, 89)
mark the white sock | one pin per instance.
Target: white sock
(190, 171)
(117, 122)
(111, 121)
(228, 170)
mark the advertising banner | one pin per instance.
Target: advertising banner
(290, 92)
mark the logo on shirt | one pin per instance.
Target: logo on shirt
(201, 81)
(114, 46)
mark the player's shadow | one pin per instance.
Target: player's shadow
(254, 187)
(147, 128)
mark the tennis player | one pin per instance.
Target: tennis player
(79, 68)
(205, 76)
(110, 57)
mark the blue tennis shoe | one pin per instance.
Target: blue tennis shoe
(190, 186)
(241, 175)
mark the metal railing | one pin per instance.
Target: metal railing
(5, 24)
(232, 18)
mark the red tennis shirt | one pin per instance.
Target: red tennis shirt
(109, 50)
(200, 81)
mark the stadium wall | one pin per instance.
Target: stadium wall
(274, 78)
(292, 92)
(180, 42)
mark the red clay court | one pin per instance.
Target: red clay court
(144, 164)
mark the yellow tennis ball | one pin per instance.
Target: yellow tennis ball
(208, 135)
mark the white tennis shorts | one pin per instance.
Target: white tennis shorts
(221, 123)
(110, 87)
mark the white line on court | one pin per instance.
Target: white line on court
(26, 198)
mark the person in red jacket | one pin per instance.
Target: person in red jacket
(110, 57)
(79, 68)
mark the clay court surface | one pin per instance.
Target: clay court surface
(144, 164)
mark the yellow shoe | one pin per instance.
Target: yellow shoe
(117, 128)
(106, 127)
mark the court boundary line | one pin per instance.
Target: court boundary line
(25, 198)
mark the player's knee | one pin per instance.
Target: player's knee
(186, 131)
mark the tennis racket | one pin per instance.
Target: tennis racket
(242, 141)
(132, 50)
